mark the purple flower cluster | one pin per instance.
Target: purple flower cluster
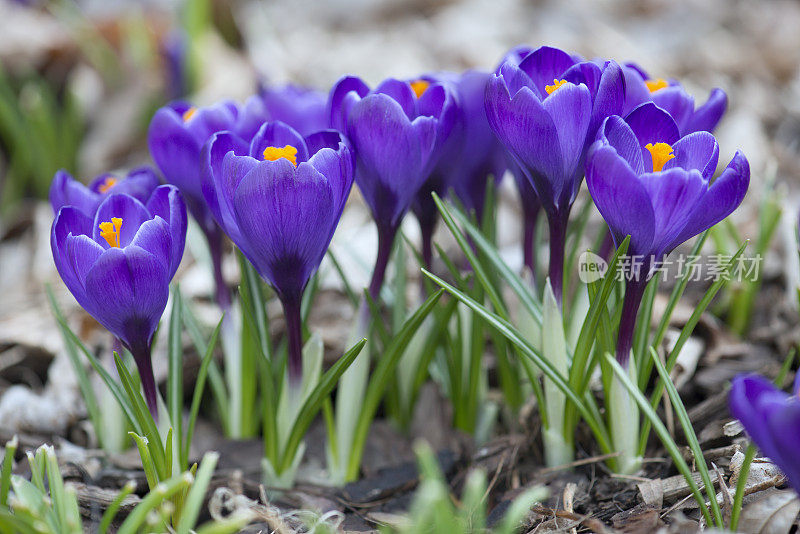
(275, 173)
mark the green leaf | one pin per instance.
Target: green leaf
(684, 336)
(199, 387)
(514, 336)
(150, 471)
(520, 288)
(175, 374)
(194, 500)
(113, 508)
(158, 495)
(662, 432)
(379, 380)
(5, 470)
(314, 401)
(691, 437)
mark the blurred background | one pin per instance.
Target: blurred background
(79, 81)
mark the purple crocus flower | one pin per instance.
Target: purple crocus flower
(771, 418)
(441, 177)
(480, 153)
(301, 108)
(546, 111)
(397, 131)
(118, 263)
(279, 199)
(529, 200)
(671, 96)
(176, 136)
(66, 191)
(654, 185)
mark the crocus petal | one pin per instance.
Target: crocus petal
(139, 183)
(324, 139)
(268, 203)
(346, 92)
(609, 98)
(784, 425)
(336, 165)
(154, 237)
(677, 102)
(698, 150)
(528, 132)
(544, 65)
(570, 109)
(131, 211)
(175, 150)
(616, 132)
(707, 116)
(167, 202)
(209, 120)
(748, 393)
(278, 134)
(234, 168)
(65, 191)
(401, 93)
(724, 196)
(81, 253)
(621, 198)
(127, 290)
(213, 155)
(391, 154)
(301, 108)
(652, 125)
(636, 91)
(674, 194)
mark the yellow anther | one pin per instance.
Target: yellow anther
(110, 231)
(419, 87)
(556, 85)
(661, 154)
(189, 113)
(273, 153)
(655, 85)
(107, 184)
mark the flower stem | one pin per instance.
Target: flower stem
(558, 239)
(144, 364)
(530, 217)
(386, 235)
(634, 289)
(427, 243)
(294, 333)
(215, 245)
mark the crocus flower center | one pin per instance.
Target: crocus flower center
(419, 87)
(661, 154)
(556, 84)
(107, 184)
(655, 85)
(189, 113)
(110, 231)
(274, 153)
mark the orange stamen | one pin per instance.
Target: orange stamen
(661, 154)
(419, 87)
(274, 153)
(107, 184)
(655, 85)
(556, 84)
(189, 113)
(110, 231)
